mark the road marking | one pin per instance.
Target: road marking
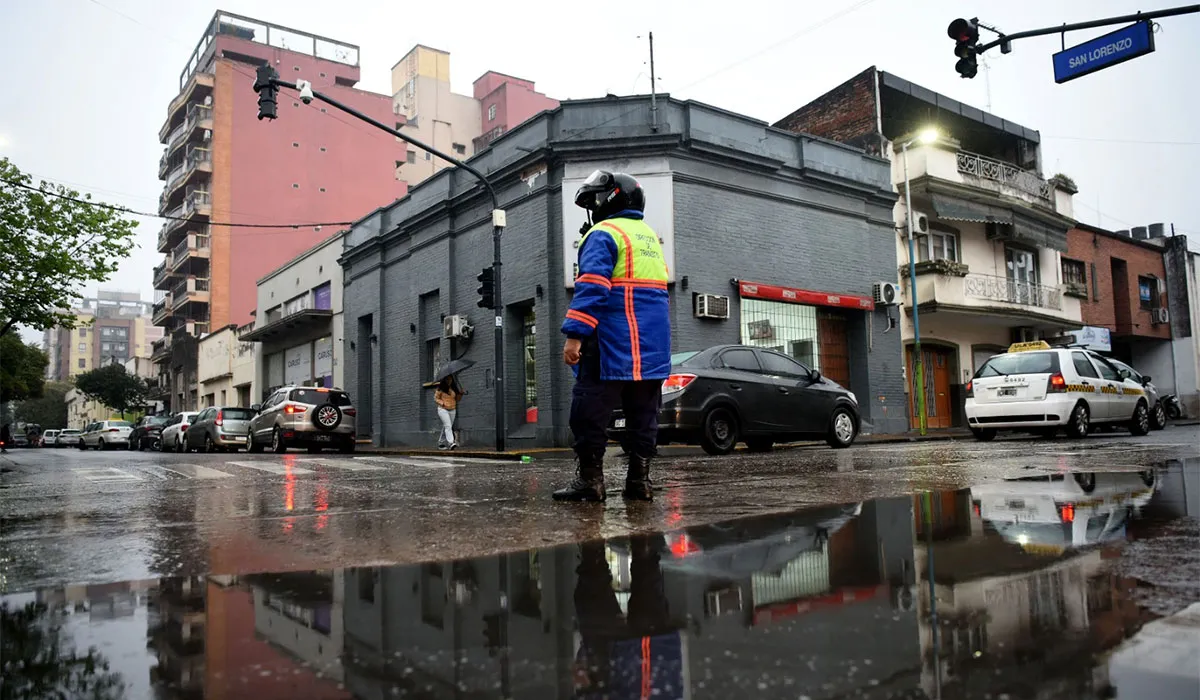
(272, 468)
(195, 471)
(106, 474)
(346, 464)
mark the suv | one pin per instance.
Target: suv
(1039, 389)
(106, 434)
(312, 417)
(218, 428)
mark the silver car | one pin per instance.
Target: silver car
(218, 428)
(303, 416)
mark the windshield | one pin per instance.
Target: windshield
(120, 424)
(236, 414)
(315, 396)
(681, 357)
(1020, 363)
(69, 431)
(156, 420)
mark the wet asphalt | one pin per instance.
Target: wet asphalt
(1019, 568)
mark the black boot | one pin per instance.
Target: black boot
(589, 481)
(637, 480)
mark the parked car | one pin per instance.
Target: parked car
(67, 437)
(218, 428)
(1035, 388)
(1158, 412)
(311, 417)
(731, 393)
(173, 431)
(48, 438)
(106, 434)
(147, 432)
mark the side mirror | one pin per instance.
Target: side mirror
(815, 375)
(1145, 379)
(256, 407)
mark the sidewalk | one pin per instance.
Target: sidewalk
(665, 450)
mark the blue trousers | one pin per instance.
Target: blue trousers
(593, 401)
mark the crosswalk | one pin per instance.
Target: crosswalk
(286, 466)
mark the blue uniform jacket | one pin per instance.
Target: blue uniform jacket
(629, 311)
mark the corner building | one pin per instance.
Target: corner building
(771, 238)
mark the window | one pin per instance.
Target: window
(742, 360)
(428, 156)
(491, 112)
(1084, 366)
(782, 366)
(1106, 370)
(460, 149)
(82, 332)
(105, 347)
(83, 347)
(938, 245)
(529, 352)
(1146, 289)
(1074, 275)
(323, 296)
(82, 363)
(1020, 363)
(295, 305)
(412, 156)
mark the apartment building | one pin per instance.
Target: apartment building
(455, 124)
(221, 165)
(113, 327)
(990, 229)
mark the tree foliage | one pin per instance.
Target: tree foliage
(50, 247)
(112, 386)
(49, 411)
(38, 661)
(22, 369)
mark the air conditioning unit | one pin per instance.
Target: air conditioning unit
(920, 223)
(887, 294)
(712, 306)
(456, 326)
(1160, 315)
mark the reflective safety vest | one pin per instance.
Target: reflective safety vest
(621, 296)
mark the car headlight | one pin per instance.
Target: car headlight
(853, 397)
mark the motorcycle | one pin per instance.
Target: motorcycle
(1171, 405)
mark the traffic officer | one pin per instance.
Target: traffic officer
(618, 332)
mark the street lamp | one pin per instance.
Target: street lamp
(924, 137)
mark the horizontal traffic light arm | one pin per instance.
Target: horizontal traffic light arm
(1008, 38)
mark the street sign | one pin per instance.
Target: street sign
(1103, 52)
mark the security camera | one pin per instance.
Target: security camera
(306, 91)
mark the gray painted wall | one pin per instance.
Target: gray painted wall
(751, 202)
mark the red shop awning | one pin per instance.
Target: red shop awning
(755, 290)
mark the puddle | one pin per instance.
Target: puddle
(1051, 586)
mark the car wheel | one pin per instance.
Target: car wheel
(101, 446)
(720, 433)
(82, 445)
(134, 445)
(1140, 423)
(1173, 412)
(1086, 481)
(252, 444)
(278, 446)
(984, 434)
(179, 446)
(156, 445)
(760, 444)
(1080, 423)
(209, 445)
(1158, 418)
(842, 429)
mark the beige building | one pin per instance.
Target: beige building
(433, 114)
(81, 410)
(113, 327)
(226, 368)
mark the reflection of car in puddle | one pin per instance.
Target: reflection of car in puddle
(1057, 511)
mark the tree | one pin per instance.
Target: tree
(52, 242)
(112, 386)
(38, 658)
(49, 411)
(22, 369)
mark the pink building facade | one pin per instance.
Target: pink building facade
(504, 102)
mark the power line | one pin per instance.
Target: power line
(134, 212)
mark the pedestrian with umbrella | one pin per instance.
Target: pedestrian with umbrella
(447, 395)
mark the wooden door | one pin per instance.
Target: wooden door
(938, 410)
(834, 347)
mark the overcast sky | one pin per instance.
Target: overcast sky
(88, 81)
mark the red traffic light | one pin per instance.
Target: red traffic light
(963, 30)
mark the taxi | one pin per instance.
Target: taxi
(1041, 389)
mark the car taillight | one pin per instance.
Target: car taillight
(1057, 384)
(183, 426)
(1066, 512)
(971, 389)
(220, 419)
(349, 411)
(677, 382)
(293, 408)
(114, 430)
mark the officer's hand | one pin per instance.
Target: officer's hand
(571, 351)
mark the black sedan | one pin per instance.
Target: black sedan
(147, 432)
(732, 393)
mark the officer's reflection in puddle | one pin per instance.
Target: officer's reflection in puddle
(630, 655)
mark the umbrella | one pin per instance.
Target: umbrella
(453, 367)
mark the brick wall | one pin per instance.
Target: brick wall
(1101, 308)
(847, 113)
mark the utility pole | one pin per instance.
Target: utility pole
(268, 83)
(653, 90)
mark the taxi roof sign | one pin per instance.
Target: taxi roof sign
(1029, 345)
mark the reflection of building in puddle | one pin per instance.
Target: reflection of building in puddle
(106, 601)
(301, 614)
(177, 635)
(1013, 595)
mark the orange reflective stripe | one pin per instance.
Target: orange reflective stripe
(594, 279)
(647, 676)
(635, 349)
(630, 282)
(582, 317)
(628, 245)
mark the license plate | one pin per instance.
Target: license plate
(1018, 505)
(322, 437)
(237, 438)
(1007, 392)
(619, 423)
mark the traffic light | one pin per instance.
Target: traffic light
(965, 34)
(266, 90)
(487, 288)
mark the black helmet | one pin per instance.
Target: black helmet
(604, 194)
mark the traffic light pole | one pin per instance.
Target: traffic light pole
(1006, 39)
(268, 79)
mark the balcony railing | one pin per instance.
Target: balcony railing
(162, 310)
(162, 165)
(198, 113)
(176, 175)
(162, 272)
(176, 134)
(191, 244)
(1012, 291)
(198, 155)
(195, 201)
(1005, 174)
(182, 293)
